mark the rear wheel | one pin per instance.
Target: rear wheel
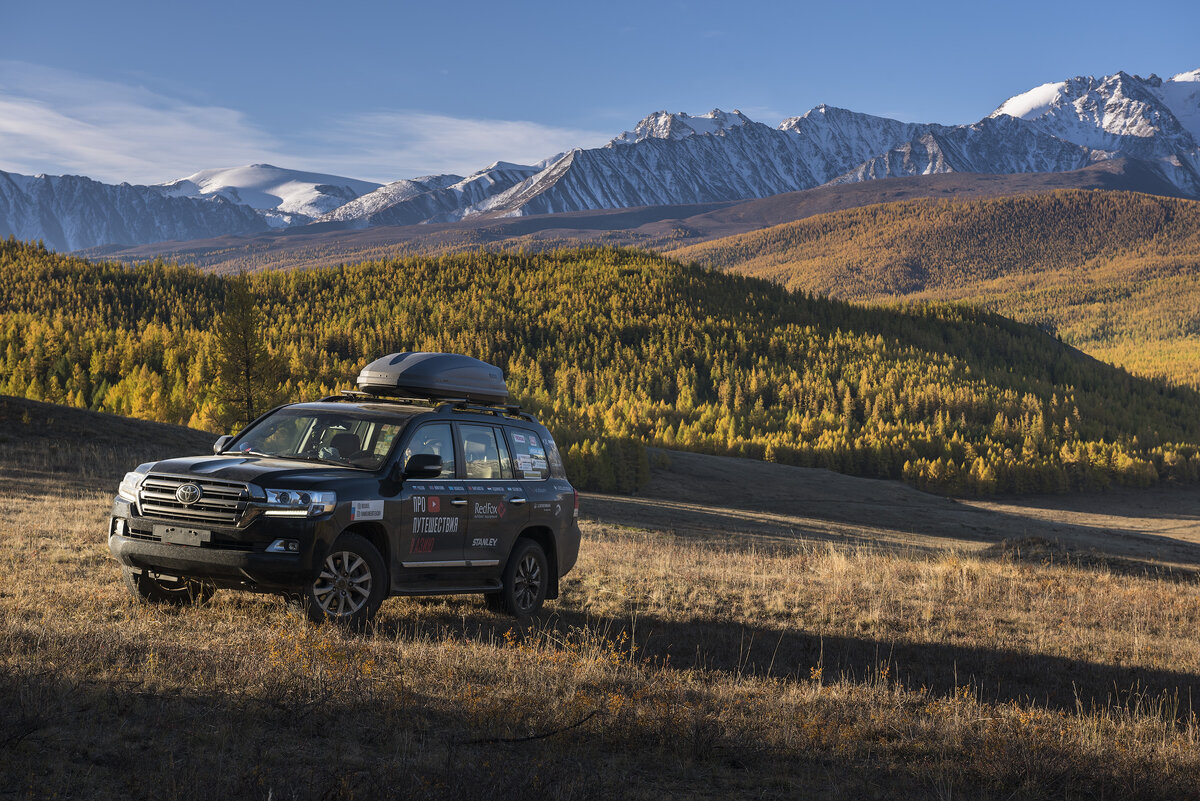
(526, 579)
(151, 588)
(351, 585)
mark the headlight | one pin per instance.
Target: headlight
(130, 485)
(299, 503)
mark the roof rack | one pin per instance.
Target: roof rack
(442, 405)
(354, 396)
(499, 409)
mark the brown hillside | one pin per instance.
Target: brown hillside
(1115, 273)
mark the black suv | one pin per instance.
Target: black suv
(342, 502)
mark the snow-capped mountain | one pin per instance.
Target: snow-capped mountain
(677, 158)
(994, 145)
(666, 159)
(438, 198)
(664, 125)
(282, 197)
(70, 212)
(1144, 118)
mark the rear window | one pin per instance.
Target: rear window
(529, 455)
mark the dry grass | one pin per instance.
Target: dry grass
(670, 667)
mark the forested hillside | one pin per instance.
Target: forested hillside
(612, 346)
(1116, 274)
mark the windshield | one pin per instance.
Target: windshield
(351, 438)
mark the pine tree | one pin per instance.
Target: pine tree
(249, 377)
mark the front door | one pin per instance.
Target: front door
(434, 511)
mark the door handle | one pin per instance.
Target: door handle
(517, 501)
(459, 502)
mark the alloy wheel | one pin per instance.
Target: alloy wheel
(344, 585)
(527, 582)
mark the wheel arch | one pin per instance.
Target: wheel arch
(375, 534)
(544, 537)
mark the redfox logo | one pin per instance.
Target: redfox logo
(489, 509)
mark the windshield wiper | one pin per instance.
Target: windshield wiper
(319, 459)
(252, 453)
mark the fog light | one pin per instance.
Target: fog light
(284, 546)
(118, 527)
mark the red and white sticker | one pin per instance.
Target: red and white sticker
(426, 504)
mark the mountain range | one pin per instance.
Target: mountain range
(666, 159)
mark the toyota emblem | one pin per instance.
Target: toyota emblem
(187, 494)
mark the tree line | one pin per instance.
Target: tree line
(615, 350)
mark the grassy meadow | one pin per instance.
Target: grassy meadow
(672, 666)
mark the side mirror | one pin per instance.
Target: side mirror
(423, 465)
(221, 442)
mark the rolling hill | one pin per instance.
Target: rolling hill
(1115, 274)
(611, 347)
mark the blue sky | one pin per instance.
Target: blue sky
(149, 91)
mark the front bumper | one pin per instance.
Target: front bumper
(235, 557)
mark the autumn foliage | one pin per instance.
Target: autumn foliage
(617, 349)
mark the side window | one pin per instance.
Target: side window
(480, 451)
(556, 463)
(434, 438)
(529, 455)
(506, 467)
(383, 439)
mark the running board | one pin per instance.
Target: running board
(494, 586)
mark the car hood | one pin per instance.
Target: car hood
(260, 470)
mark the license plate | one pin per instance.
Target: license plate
(182, 536)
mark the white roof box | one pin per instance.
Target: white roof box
(438, 376)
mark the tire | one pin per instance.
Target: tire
(351, 585)
(526, 579)
(149, 589)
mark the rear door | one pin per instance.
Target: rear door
(434, 511)
(499, 507)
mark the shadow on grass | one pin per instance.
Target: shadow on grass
(992, 675)
(107, 738)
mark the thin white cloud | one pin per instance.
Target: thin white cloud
(59, 122)
(54, 121)
(410, 144)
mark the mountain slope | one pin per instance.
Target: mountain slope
(70, 212)
(283, 197)
(652, 227)
(440, 198)
(678, 159)
(1116, 274)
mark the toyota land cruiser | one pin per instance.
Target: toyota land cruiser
(424, 482)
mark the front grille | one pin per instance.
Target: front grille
(221, 502)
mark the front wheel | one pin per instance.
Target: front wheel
(351, 585)
(153, 589)
(526, 580)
